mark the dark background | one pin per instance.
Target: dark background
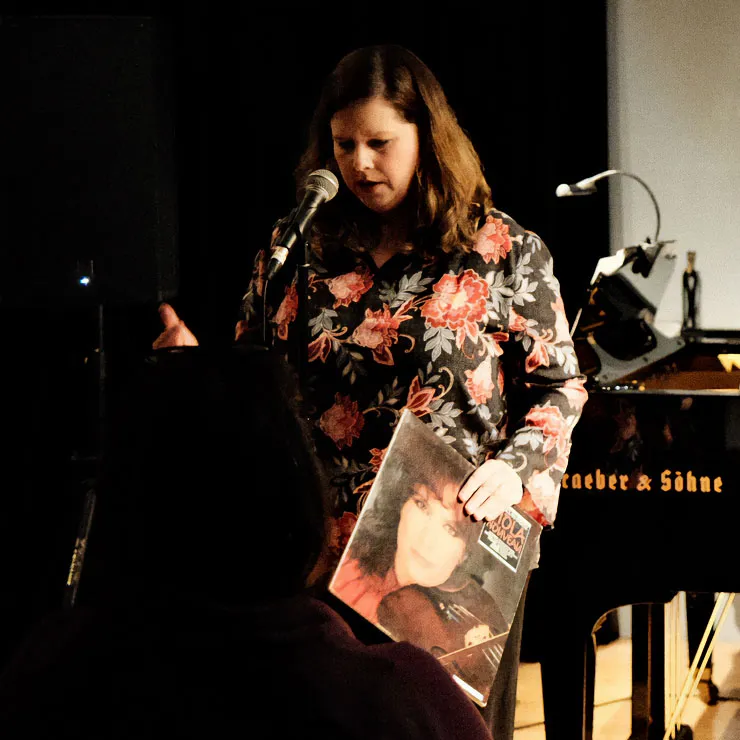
(173, 177)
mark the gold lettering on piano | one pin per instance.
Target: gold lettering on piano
(674, 481)
(644, 483)
(670, 480)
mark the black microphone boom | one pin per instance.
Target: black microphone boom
(588, 186)
(321, 186)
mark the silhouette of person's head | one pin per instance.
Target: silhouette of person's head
(210, 485)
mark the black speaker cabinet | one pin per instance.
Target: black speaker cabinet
(88, 199)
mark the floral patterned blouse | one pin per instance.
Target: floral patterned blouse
(476, 344)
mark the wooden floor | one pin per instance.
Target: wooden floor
(613, 686)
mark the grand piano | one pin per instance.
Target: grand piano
(651, 499)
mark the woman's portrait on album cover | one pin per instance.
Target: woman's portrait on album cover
(414, 566)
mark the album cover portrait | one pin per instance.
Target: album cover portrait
(422, 571)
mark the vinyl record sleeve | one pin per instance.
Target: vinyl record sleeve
(423, 572)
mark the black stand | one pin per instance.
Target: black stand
(648, 674)
(302, 327)
(690, 291)
(88, 506)
(302, 318)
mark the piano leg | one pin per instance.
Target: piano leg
(648, 672)
(568, 661)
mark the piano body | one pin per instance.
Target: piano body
(651, 499)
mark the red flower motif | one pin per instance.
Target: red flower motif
(459, 302)
(419, 398)
(287, 312)
(493, 241)
(562, 330)
(378, 332)
(517, 323)
(320, 347)
(541, 486)
(495, 340)
(528, 505)
(260, 272)
(574, 391)
(538, 356)
(348, 288)
(343, 422)
(341, 529)
(377, 458)
(554, 427)
(480, 382)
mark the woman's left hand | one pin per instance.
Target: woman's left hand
(490, 489)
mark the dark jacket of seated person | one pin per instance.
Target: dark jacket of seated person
(192, 617)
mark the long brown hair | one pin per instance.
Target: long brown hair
(450, 192)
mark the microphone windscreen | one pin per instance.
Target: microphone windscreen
(562, 190)
(324, 180)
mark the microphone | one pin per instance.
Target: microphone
(585, 186)
(321, 186)
(577, 188)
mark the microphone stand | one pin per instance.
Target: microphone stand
(645, 254)
(586, 186)
(302, 328)
(88, 506)
(302, 317)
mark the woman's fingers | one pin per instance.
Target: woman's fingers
(242, 328)
(474, 481)
(479, 502)
(176, 333)
(490, 489)
(169, 317)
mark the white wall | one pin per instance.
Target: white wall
(674, 119)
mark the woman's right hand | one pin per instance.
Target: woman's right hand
(175, 333)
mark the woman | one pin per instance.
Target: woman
(421, 296)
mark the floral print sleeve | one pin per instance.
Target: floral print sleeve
(252, 299)
(544, 386)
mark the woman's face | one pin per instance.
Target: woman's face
(377, 152)
(430, 541)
